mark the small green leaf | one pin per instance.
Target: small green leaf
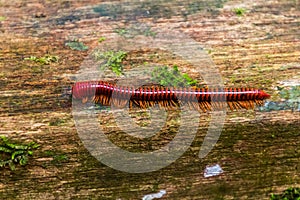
(175, 68)
(23, 160)
(21, 147)
(4, 149)
(3, 163)
(4, 139)
(239, 11)
(17, 153)
(101, 39)
(12, 166)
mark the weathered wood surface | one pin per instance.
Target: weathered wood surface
(259, 151)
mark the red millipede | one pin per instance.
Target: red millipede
(203, 99)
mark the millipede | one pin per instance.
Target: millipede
(201, 99)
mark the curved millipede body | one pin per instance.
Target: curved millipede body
(203, 99)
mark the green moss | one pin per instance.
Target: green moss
(76, 45)
(171, 77)
(121, 31)
(239, 11)
(13, 153)
(113, 60)
(45, 60)
(288, 194)
(58, 158)
(56, 122)
(101, 39)
(134, 31)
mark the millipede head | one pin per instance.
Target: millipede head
(263, 95)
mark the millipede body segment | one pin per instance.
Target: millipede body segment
(202, 99)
